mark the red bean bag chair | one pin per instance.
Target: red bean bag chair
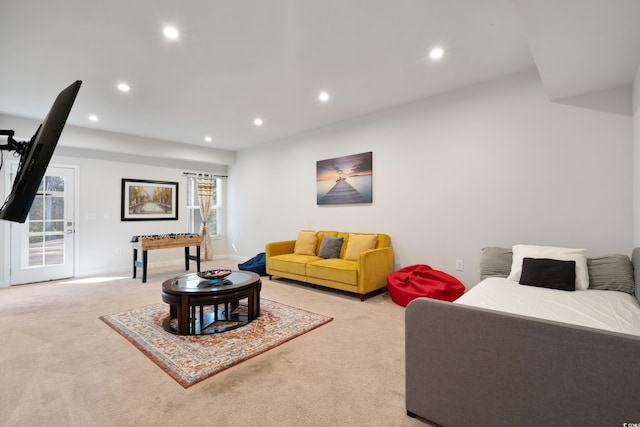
(420, 280)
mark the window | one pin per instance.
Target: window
(193, 207)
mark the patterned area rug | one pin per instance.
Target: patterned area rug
(191, 359)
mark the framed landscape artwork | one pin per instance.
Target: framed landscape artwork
(345, 180)
(144, 200)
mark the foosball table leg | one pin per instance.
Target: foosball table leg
(144, 266)
(135, 258)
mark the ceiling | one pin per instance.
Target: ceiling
(236, 60)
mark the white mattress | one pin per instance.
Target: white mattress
(608, 310)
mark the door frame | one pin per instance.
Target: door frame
(8, 183)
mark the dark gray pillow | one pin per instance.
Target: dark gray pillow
(495, 262)
(330, 247)
(549, 273)
(612, 273)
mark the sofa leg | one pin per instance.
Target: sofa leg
(361, 297)
(270, 276)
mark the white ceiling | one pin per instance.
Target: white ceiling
(240, 59)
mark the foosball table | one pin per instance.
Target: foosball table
(164, 241)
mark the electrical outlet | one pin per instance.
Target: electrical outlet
(459, 265)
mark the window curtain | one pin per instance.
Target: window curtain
(205, 191)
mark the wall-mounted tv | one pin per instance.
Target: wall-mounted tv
(35, 156)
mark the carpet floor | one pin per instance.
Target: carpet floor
(61, 366)
(191, 359)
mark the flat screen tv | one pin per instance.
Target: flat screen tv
(35, 157)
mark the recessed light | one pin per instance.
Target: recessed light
(93, 118)
(208, 138)
(323, 96)
(436, 53)
(257, 121)
(123, 87)
(171, 33)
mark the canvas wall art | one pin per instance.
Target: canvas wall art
(144, 200)
(345, 180)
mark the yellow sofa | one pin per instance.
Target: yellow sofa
(355, 270)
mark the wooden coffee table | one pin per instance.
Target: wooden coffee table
(188, 295)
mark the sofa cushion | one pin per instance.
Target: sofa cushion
(495, 262)
(335, 269)
(358, 243)
(551, 252)
(292, 263)
(306, 243)
(549, 273)
(330, 247)
(321, 235)
(611, 272)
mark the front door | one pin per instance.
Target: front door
(43, 247)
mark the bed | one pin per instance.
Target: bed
(508, 354)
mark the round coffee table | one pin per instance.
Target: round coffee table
(188, 295)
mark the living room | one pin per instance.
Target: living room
(494, 162)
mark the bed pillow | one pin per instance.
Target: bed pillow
(330, 247)
(552, 252)
(358, 243)
(495, 262)
(306, 243)
(549, 273)
(611, 273)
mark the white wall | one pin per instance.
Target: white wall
(636, 159)
(492, 164)
(103, 239)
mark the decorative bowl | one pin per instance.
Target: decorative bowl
(217, 273)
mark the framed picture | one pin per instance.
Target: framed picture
(144, 200)
(344, 180)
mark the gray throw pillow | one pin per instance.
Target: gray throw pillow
(495, 262)
(612, 273)
(330, 247)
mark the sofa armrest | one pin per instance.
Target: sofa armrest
(373, 268)
(278, 248)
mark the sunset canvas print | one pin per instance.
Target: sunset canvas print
(345, 180)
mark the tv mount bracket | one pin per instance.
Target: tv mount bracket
(12, 145)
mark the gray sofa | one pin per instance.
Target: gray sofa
(468, 366)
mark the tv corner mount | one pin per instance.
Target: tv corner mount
(12, 145)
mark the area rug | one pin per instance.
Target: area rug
(191, 359)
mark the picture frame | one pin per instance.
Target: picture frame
(345, 180)
(147, 200)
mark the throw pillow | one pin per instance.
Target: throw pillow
(549, 273)
(330, 247)
(358, 243)
(306, 243)
(612, 273)
(552, 252)
(495, 262)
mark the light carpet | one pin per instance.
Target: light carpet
(191, 359)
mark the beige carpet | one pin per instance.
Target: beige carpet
(60, 365)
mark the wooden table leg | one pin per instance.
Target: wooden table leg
(183, 316)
